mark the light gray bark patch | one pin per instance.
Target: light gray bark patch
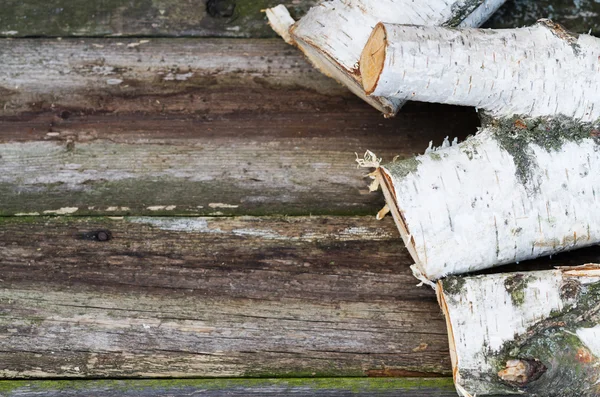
(403, 168)
(460, 11)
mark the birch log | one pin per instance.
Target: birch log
(541, 70)
(533, 334)
(333, 33)
(519, 189)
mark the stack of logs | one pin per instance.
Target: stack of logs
(524, 186)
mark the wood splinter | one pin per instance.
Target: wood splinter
(333, 33)
(534, 333)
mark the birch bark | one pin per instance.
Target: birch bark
(333, 33)
(539, 71)
(520, 189)
(535, 333)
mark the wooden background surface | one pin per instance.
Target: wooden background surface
(189, 208)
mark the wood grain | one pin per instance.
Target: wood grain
(224, 297)
(332, 387)
(223, 18)
(204, 297)
(203, 18)
(259, 132)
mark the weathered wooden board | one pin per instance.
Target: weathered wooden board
(254, 130)
(221, 18)
(332, 387)
(224, 297)
(579, 16)
(154, 75)
(224, 18)
(204, 297)
(216, 297)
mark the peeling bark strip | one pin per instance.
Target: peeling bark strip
(520, 189)
(541, 70)
(533, 334)
(333, 33)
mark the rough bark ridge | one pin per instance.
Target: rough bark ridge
(541, 70)
(534, 333)
(520, 188)
(333, 33)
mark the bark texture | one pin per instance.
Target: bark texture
(333, 33)
(519, 189)
(534, 334)
(541, 70)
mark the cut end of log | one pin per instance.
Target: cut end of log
(372, 59)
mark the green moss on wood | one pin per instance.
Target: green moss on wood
(144, 197)
(570, 368)
(516, 286)
(402, 168)
(453, 285)
(241, 18)
(516, 135)
(353, 385)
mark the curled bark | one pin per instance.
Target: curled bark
(519, 189)
(541, 70)
(534, 333)
(333, 33)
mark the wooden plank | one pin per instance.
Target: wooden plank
(217, 297)
(222, 18)
(258, 132)
(578, 16)
(332, 387)
(206, 18)
(206, 297)
(210, 76)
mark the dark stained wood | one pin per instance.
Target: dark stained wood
(223, 18)
(204, 297)
(327, 387)
(258, 131)
(201, 18)
(579, 16)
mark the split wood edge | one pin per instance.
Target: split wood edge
(534, 333)
(333, 33)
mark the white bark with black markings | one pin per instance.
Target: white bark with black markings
(539, 71)
(533, 333)
(513, 192)
(333, 33)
